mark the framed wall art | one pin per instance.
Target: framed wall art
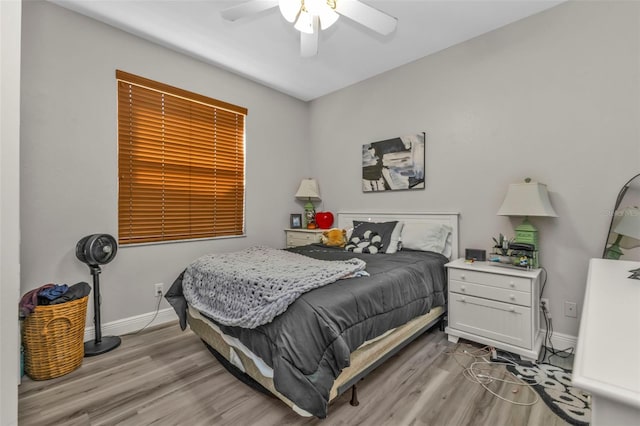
(394, 164)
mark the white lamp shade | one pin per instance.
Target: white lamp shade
(527, 199)
(309, 190)
(628, 225)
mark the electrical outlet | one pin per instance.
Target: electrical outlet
(158, 289)
(570, 310)
(544, 305)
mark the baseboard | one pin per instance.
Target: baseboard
(132, 324)
(561, 341)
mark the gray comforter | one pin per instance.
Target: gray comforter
(310, 343)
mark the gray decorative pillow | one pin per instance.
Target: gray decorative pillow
(384, 229)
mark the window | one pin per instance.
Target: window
(180, 163)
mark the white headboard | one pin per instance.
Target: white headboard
(345, 221)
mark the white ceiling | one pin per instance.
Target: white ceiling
(265, 48)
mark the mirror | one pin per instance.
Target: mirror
(623, 240)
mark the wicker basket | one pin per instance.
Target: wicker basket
(53, 339)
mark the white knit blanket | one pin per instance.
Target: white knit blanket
(251, 287)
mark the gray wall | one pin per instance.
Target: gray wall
(69, 154)
(554, 97)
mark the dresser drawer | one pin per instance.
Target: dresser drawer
(499, 321)
(489, 292)
(295, 239)
(494, 280)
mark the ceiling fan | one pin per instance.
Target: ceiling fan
(311, 16)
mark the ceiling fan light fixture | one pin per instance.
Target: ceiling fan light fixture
(311, 16)
(304, 24)
(315, 7)
(323, 9)
(303, 12)
(328, 17)
(290, 9)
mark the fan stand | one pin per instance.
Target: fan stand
(101, 344)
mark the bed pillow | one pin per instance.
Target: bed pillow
(395, 244)
(370, 242)
(447, 246)
(426, 237)
(384, 229)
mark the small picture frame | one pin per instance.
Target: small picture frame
(295, 220)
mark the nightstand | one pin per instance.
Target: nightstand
(496, 306)
(302, 237)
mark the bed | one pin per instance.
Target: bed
(331, 337)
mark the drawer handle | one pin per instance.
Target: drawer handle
(512, 297)
(463, 300)
(463, 288)
(512, 309)
(463, 277)
(512, 284)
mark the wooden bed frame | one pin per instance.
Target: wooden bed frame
(369, 355)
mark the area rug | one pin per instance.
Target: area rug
(553, 384)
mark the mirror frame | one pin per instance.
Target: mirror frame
(623, 191)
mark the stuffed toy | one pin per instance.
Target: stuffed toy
(334, 237)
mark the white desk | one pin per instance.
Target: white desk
(607, 359)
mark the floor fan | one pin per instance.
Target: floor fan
(96, 250)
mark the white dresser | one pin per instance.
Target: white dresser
(495, 306)
(302, 237)
(607, 359)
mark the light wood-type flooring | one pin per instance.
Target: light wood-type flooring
(167, 377)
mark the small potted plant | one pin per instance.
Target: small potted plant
(502, 245)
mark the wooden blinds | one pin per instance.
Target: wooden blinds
(180, 163)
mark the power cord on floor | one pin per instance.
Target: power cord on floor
(155, 315)
(549, 331)
(481, 371)
(550, 348)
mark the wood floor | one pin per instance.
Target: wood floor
(167, 377)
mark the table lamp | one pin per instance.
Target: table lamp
(309, 190)
(628, 230)
(527, 199)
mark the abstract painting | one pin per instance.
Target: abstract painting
(394, 164)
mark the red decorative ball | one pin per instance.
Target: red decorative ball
(324, 220)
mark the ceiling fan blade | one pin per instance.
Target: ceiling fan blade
(247, 8)
(309, 41)
(368, 16)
